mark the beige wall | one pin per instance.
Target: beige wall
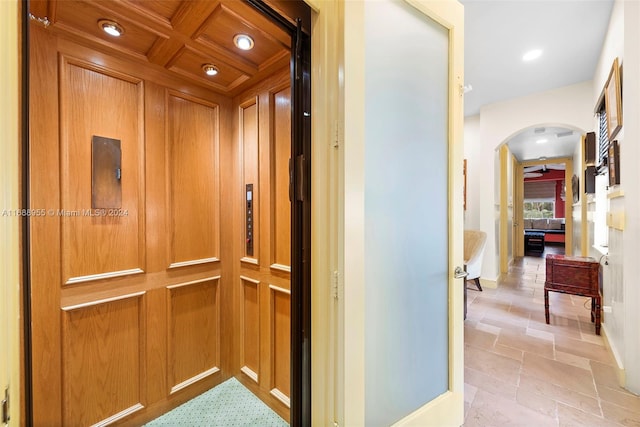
(9, 203)
(620, 291)
(569, 106)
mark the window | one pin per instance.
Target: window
(603, 138)
(539, 209)
(600, 229)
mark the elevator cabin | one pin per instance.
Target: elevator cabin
(159, 159)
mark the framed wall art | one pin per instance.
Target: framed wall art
(613, 101)
(614, 163)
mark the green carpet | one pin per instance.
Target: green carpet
(229, 404)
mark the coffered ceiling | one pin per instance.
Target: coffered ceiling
(178, 36)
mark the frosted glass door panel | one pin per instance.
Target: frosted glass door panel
(406, 214)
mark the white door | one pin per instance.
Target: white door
(403, 211)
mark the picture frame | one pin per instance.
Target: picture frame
(614, 163)
(613, 101)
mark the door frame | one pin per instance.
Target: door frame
(300, 195)
(13, 214)
(518, 182)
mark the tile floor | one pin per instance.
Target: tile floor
(519, 371)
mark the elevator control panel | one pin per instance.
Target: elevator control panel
(249, 219)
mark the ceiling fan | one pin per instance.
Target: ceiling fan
(538, 170)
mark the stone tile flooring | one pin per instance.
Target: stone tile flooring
(519, 371)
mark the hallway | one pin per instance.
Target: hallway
(521, 372)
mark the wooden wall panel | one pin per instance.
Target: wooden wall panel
(98, 244)
(250, 328)
(182, 207)
(194, 181)
(250, 170)
(264, 132)
(280, 204)
(194, 331)
(280, 343)
(45, 232)
(102, 353)
(170, 144)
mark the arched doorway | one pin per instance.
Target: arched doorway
(542, 153)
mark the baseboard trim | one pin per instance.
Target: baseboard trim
(281, 397)
(192, 380)
(614, 352)
(486, 283)
(120, 415)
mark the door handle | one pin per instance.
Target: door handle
(459, 273)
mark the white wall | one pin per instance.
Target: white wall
(631, 176)
(472, 146)
(569, 106)
(620, 289)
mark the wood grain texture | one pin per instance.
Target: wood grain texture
(269, 165)
(281, 341)
(193, 172)
(156, 363)
(194, 330)
(97, 103)
(102, 353)
(250, 327)
(50, 388)
(280, 204)
(45, 268)
(177, 37)
(143, 97)
(249, 137)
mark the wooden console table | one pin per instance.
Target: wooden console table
(576, 276)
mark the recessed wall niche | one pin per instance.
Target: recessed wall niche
(106, 173)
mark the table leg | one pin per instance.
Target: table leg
(598, 314)
(593, 309)
(546, 305)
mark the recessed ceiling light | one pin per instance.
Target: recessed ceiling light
(532, 54)
(111, 27)
(210, 69)
(565, 133)
(542, 141)
(243, 41)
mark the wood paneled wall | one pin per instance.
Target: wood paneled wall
(86, 111)
(138, 309)
(103, 360)
(262, 287)
(194, 181)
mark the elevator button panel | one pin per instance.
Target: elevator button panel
(249, 219)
